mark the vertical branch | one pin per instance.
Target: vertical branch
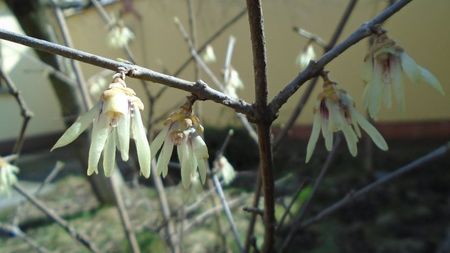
(264, 119)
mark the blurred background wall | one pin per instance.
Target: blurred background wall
(421, 29)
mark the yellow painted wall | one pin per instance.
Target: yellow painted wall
(421, 28)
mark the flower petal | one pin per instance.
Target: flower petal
(201, 155)
(376, 137)
(313, 137)
(184, 158)
(78, 127)
(140, 139)
(123, 133)
(99, 135)
(164, 157)
(410, 67)
(159, 140)
(431, 80)
(399, 91)
(109, 155)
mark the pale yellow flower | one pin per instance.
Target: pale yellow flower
(119, 35)
(7, 176)
(335, 111)
(209, 56)
(116, 118)
(227, 171)
(183, 130)
(233, 83)
(308, 54)
(384, 68)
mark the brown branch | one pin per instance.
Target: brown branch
(314, 69)
(56, 218)
(199, 88)
(256, 22)
(353, 196)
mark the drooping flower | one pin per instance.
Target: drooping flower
(183, 130)
(233, 82)
(119, 35)
(209, 56)
(116, 118)
(227, 171)
(335, 111)
(384, 68)
(7, 176)
(308, 54)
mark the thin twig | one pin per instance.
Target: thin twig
(326, 165)
(83, 239)
(25, 112)
(355, 195)
(16, 231)
(61, 21)
(249, 238)
(310, 36)
(165, 208)
(291, 204)
(199, 88)
(314, 69)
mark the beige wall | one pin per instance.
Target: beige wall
(421, 28)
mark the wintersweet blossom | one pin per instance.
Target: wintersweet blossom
(7, 176)
(384, 68)
(227, 171)
(183, 130)
(335, 111)
(119, 35)
(209, 56)
(233, 82)
(308, 54)
(116, 118)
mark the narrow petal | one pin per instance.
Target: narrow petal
(159, 140)
(410, 67)
(109, 155)
(164, 157)
(99, 135)
(327, 134)
(351, 139)
(78, 127)
(388, 95)
(314, 136)
(202, 169)
(376, 137)
(201, 155)
(140, 139)
(431, 80)
(399, 91)
(123, 133)
(183, 157)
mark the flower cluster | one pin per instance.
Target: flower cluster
(227, 171)
(119, 35)
(384, 68)
(183, 130)
(335, 111)
(7, 176)
(116, 118)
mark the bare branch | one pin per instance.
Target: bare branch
(63, 223)
(314, 69)
(199, 88)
